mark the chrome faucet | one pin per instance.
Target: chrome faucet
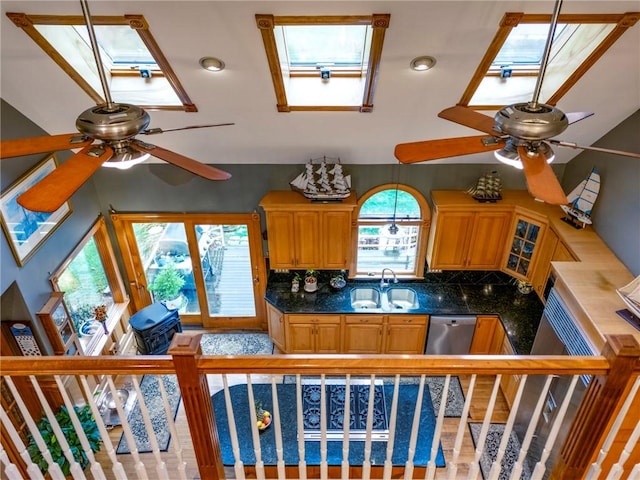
(386, 284)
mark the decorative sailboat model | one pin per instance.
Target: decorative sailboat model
(323, 181)
(581, 201)
(488, 188)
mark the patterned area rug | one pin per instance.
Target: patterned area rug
(212, 344)
(455, 397)
(494, 436)
(236, 344)
(153, 399)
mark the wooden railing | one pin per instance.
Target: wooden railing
(593, 447)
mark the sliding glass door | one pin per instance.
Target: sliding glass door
(209, 267)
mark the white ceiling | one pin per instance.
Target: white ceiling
(406, 103)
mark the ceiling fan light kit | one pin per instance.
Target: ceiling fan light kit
(422, 63)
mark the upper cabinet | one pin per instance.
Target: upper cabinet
(305, 234)
(467, 237)
(59, 327)
(526, 232)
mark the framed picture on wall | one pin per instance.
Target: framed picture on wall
(26, 231)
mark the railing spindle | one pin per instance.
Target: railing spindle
(596, 467)
(175, 439)
(278, 429)
(618, 468)
(96, 468)
(118, 469)
(496, 466)
(540, 467)
(435, 443)
(462, 428)
(75, 468)
(161, 467)
(516, 471)
(388, 464)
(302, 464)
(10, 470)
(408, 471)
(474, 466)
(255, 433)
(347, 428)
(126, 429)
(324, 467)
(32, 469)
(238, 466)
(366, 461)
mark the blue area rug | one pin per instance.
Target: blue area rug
(154, 402)
(287, 401)
(490, 453)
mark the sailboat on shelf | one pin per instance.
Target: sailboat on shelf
(323, 181)
(581, 201)
(488, 188)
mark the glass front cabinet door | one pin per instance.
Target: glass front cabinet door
(57, 323)
(522, 248)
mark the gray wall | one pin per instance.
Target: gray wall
(164, 188)
(616, 214)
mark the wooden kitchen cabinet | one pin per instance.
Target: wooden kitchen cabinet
(468, 239)
(59, 327)
(551, 249)
(405, 334)
(509, 383)
(313, 333)
(487, 338)
(277, 327)
(303, 234)
(521, 252)
(363, 333)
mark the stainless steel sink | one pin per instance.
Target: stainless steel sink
(365, 298)
(401, 298)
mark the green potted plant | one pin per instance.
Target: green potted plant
(167, 284)
(90, 428)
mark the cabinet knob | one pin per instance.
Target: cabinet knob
(364, 320)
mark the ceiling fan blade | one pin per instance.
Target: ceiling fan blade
(470, 118)
(154, 131)
(49, 143)
(201, 169)
(541, 181)
(574, 117)
(445, 148)
(52, 191)
(595, 149)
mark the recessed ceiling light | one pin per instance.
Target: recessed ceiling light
(422, 63)
(212, 64)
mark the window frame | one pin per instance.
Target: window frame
(513, 19)
(98, 232)
(266, 23)
(423, 223)
(136, 22)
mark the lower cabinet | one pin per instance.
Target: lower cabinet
(363, 333)
(509, 383)
(488, 336)
(334, 333)
(313, 333)
(406, 334)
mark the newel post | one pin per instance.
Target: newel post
(197, 405)
(602, 401)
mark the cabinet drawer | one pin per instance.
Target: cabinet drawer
(407, 319)
(313, 318)
(370, 319)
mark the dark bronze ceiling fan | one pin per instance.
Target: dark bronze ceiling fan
(521, 132)
(107, 134)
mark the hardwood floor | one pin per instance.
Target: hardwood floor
(481, 395)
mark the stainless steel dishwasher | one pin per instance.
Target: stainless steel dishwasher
(450, 335)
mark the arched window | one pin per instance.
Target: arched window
(391, 231)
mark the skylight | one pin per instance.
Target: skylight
(137, 71)
(323, 63)
(326, 45)
(508, 72)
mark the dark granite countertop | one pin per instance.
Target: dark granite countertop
(449, 295)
